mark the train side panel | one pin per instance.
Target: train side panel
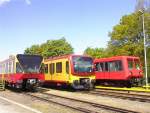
(57, 71)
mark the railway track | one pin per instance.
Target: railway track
(122, 95)
(76, 104)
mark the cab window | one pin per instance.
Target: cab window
(46, 68)
(137, 64)
(130, 64)
(18, 68)
(42, 68)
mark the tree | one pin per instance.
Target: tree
(33, 50)
(127, 36)
(51, 48)
(95, 52)
(56, 48)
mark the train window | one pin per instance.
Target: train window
(112, 66)
(10, 67)
(7, 68)
(59, 67)
(99, 67)
(119, 66)
(52, 68)
(67, 67)
(46, 68)
(130, 64)
(18, 68)
(106, 66)
(115, 66)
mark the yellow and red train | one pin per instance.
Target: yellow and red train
(71, 70)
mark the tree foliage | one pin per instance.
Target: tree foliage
(127, 36)
(95, 52)
(33, 50)
(51, 48)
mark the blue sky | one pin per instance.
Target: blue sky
(84, 23)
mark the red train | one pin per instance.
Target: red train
(119, 70)
(22, 71)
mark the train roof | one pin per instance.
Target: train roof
(13, 57)
(116, 58)
(62, 56)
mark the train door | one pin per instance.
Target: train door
(60, 72)
(67, 70)
(46, 72)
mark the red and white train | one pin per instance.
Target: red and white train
(22, 71)
(119, 70)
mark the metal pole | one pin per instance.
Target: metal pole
(145, 50)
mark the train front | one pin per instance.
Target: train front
(28, 67)
(82, 72)
(135, 72)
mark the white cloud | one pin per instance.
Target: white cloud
(2, 2)
(28, 2)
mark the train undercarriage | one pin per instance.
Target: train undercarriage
(25, 84)
(133, 82)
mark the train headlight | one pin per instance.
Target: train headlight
(31, 81)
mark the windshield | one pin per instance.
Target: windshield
(30, 63)
(137, 64)
(82, 64)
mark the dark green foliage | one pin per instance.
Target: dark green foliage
(51, 48)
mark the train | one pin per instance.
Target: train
(118, 71)
(75, 71)
(22, 71)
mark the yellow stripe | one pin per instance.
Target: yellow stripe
(140, 89)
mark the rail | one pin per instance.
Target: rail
(89, 107)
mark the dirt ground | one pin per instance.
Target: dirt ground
(45, 107)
